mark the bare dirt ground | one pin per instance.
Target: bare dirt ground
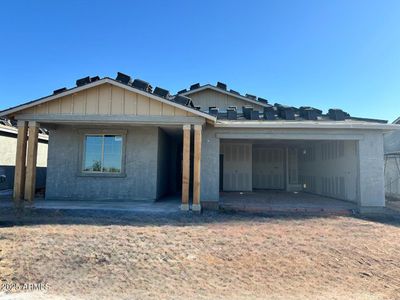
(110, 255)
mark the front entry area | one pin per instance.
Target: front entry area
(291, 171)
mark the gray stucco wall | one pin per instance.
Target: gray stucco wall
(209, 165)
(371, 168)
(162, 164)
(63, 174)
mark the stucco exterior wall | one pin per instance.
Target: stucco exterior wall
(371, 168)
(162, 164)
(8, 148)
(139, 183)
(209, 165)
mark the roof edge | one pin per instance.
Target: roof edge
(307, 125)
(397, 121)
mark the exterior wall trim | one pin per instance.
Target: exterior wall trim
(289, 136)
(113, 119)
(307, 125)
(82, 132)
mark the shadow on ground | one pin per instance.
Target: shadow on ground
(30, 217)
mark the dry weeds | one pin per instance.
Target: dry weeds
(213, 256)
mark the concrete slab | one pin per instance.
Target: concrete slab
(257, 202)
(165, 205)
(281, 201)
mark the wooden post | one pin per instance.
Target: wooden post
(196, 168)
(30, 183)
(20, 160)
(185, 167)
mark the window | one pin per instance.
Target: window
(102, 153)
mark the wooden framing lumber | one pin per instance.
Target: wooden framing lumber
(20, 160)
(196, 168)
(30, 183)
(185, 167)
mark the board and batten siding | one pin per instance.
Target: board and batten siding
(207, 98)
(106, 99)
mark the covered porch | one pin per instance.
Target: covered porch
(166, 205)
(111, 141)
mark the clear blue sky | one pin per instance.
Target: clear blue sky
(320, 53)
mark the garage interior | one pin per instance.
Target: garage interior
(289, 173)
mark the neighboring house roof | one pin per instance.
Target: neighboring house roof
(6, 128)
(397, 121)
(170, 101)
(226, 92)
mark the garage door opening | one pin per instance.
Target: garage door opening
(327, 168)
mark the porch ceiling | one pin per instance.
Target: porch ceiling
(112, 120)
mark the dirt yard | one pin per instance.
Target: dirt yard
(102, 255)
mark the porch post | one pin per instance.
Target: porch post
(20, 160)
(30, 183)
(185, 167)
(196, 168)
